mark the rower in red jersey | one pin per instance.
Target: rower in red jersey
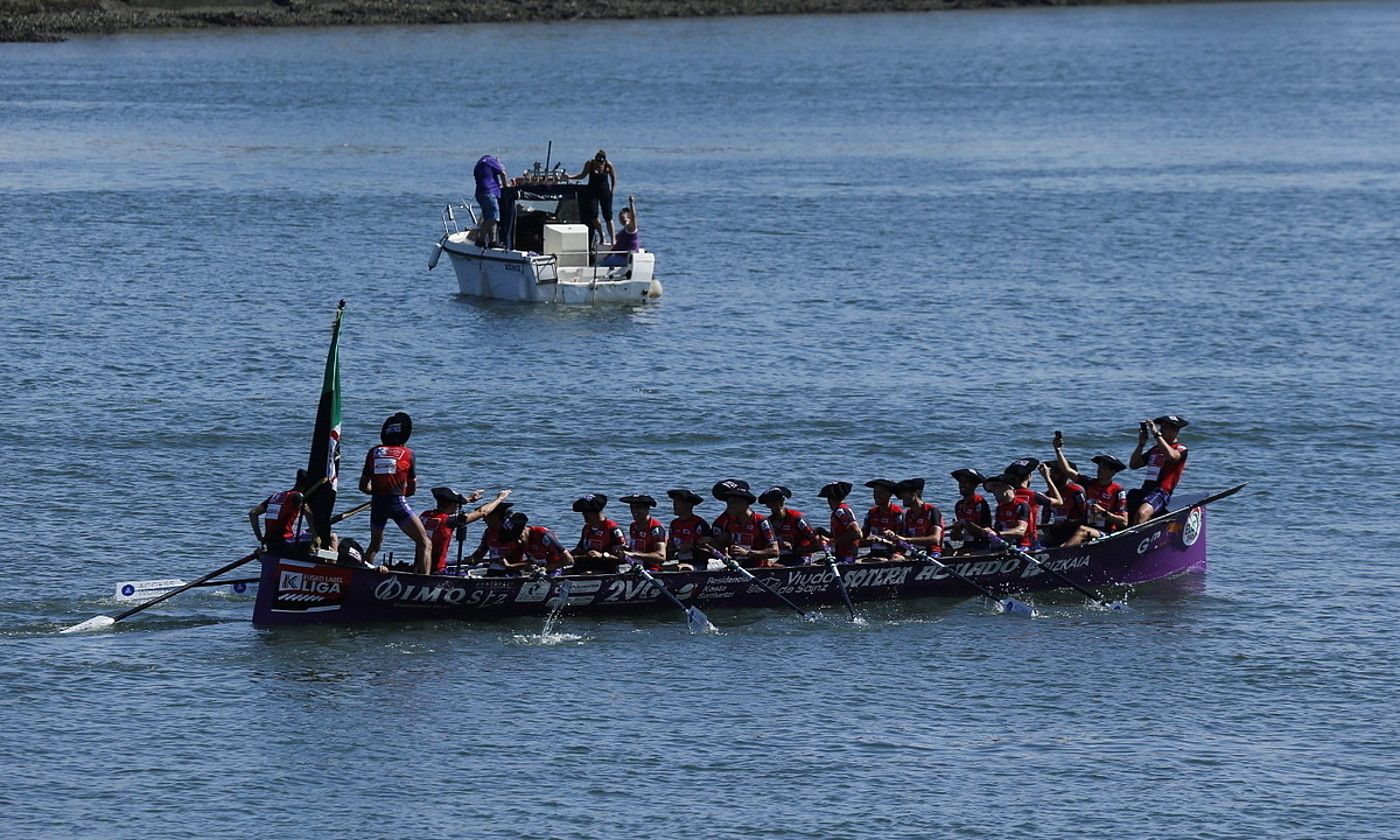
(743, 534)
(496, 545)
(1165, 463)
(923, 521)
(535, 546)
(797, 539)
(275, 519)
(1069, 510)
(602, 545)
(1107, 501)
(845, 530)
(1012, 521)
(389, 477)
(971, 514)
(1020, 473)
(448, 520)
(646, 536)
(884, 517)
(690, 533)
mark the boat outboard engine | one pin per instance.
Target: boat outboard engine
(396, 430)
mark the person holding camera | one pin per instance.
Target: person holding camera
(1165, 462)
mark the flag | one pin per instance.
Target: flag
(323, 468)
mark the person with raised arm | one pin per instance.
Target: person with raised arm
(389, 477)
(971, 513)
(797, 539)
(646, 536)
(845, 534)
(742, 534)
(448, 520)
(922, 522)
(602, 546)
(1165, 462)
(690, 534)
(1069, 507)
(884, 516)
(495, 545)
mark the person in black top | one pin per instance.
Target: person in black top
(602, 180)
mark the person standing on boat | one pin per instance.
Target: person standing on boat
(743, 534)
(448, 519)
(602, 545)
(274, 520)
(602, 180)
(646, 536)
(1165, 462)
(845, 530)
(972, 516)
(490, 179)
(885, 516)
(690, 534)
(797, 539)
(922, 521)
(390, 477)
(535, 546)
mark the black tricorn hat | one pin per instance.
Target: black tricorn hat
(743, 493)
(1110, 462)
(683, 494)
(908, 484)
(883, 484)
(968, 474)
(396, 429)
(1021, 468)
(502, 509)
(835, 490)
(1172, 420)
(515, 524)
(447, 494)
(1004, 478)
(723, 489)
(777, 491)
(590, 502)
(639, 499)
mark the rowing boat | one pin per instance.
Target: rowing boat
(298, 591)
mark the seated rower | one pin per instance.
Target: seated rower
(1107, 502)
(923, 521)
(1069, 510)
(1013, 520)
(601, 546)
(275, 521)
(797, 540)
(971, 514)
(646, 536)
(535, 546)
(742, 534)
(885, 516)
(1021, 472)
(496, 545)
(690, 534)
(845, 531)
(1165, 462)
(447, 520)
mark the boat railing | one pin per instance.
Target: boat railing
(449, 217)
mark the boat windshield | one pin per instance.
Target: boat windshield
(544, 205)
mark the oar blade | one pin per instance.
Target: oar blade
(698, 621)
(1011, 606)
(97, 622)
(140, 590)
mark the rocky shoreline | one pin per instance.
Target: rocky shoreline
(53, 20)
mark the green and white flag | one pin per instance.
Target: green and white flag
(323, 469)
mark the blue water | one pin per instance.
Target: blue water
(891, 245)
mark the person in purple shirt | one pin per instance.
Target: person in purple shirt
(627, 240)
(490, 177)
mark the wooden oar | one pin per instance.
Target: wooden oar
(1030, 558)
(102, 622)
(349, 513)
(841, 584)
(696, 620)
(1006, 605)
(734, 565)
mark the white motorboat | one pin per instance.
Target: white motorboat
(547, 256)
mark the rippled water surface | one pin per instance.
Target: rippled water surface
(891, 244)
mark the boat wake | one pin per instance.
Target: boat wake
(546, 639)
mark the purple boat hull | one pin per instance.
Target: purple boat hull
(302, 592)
